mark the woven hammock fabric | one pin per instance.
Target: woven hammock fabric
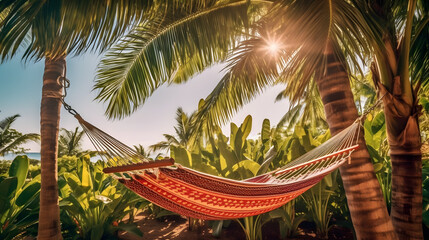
(203, 196)
(191, 200)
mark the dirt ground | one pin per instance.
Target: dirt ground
(176, 228)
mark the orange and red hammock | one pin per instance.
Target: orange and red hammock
(203, 196)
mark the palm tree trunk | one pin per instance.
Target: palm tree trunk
(49, 215)
(404, 140)
(365, 200)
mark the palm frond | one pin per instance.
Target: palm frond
(142, 151)
(306, 28)
(14, 144)
(160, 50)
(419, 54)
(250, 70)
(8, 121)
(58, 28)
(307, 111)
(290, 119)
(163, 145)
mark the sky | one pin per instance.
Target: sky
(21, 88)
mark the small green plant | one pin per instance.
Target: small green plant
(288, 219)
(252, 226)
(19, 201)
(317, 200)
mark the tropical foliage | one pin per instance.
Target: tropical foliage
(182, 128)
(96, 206)
(95, 203)
(19, 201)
(293, 43)
(163, 53)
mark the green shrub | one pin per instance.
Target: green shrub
(19, 201)
(4, 167)
(94, 204)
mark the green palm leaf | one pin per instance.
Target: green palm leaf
(163, 50)
(419, 52)
(57, 27)
(248, 75)
(11, 139)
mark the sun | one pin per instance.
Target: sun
(273, 47)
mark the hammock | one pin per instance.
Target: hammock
(203, 196)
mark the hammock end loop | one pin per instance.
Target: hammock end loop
(79, 118)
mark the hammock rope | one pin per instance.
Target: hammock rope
(203, 196)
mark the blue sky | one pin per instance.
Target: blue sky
(21, 85)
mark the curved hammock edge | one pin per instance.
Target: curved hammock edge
(204, 196)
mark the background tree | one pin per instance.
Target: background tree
(52, 30)
(184, 133)
(70, 142)
(307, 111)
(11, 139)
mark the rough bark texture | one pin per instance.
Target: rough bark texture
(49, 215)
(404, 140)
(365, 200)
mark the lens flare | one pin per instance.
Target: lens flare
(273, 47)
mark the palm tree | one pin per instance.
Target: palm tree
(184, 134)
(295, 43)
(70, 142)
(11, 139)
(399, 41)
(142, 151)
(52, 30)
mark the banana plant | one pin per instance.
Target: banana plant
(191, 159)
(19, 201)
(95, 202)
(223, 156)
(234, 162)
(376, 139)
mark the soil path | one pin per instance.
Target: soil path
(176, 228)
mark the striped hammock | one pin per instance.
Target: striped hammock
(203, 196)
